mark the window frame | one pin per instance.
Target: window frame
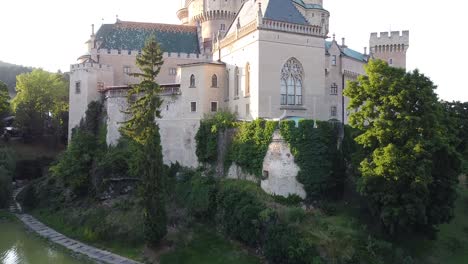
(214, 81)
(292, 84)
(211, 106)
(191, 107)
(78, 87)
(192, 81)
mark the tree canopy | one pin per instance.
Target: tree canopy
(410, 174)
(41, 100)
(4, 99)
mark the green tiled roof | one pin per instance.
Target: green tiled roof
(125, 35)
(308, 6)
(348, 52)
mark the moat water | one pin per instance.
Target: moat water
(18, 246)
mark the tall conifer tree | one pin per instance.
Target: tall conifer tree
(144, 105)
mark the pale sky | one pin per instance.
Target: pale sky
(51, 34)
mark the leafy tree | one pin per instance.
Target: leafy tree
(409, 176)
(4, 101)
(456, 121)
(41, 102)
(144, 106)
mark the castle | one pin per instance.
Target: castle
(257, 58)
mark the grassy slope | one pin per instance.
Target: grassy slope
(207, 247)
(451, 246)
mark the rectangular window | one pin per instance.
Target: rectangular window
(333, 111)
(77, 87)
(334, 60)
(193, 106)
(222, 27)
(172, 71)
(334, 89)
(126, 69)
(214, 106)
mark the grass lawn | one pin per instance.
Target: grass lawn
(207, 247)
(56, 220)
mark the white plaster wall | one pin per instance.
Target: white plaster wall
(235, 172)
(88, 75)
(275, 49)
(282, 170)
(238, 54)
(116, 104)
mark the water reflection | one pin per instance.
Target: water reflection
(20, 247)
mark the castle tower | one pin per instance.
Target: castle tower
(214, 17)
(390, 47)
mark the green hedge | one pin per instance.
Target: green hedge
(250, 145)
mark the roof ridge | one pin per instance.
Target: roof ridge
(157, 26)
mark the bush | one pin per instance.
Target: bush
(7, 166)
(202, 198)
(239, 204)
(285, 244)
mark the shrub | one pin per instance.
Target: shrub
(239, 205)
(291, 200)
(202, 198)
(7, 166)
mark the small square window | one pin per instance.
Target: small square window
(77, 87)
(193, 106)
(172, 71)
(214, 106)
(126, 69)
(334, 89)
(333, 111)
(334, 60)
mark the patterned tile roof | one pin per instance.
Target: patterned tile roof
(308, 6)
(125, 35)
(284, 11)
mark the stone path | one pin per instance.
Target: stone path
(98, 255)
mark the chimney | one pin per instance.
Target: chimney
(343, 42)
(365, 50)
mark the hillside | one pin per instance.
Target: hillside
(8, 73)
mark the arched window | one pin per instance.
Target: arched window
(192, 80)
(226, 95)
(236, 83)
(247, 79)
(291, 83)
(214, 81)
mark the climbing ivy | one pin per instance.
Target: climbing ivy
(250, 145)
(207, 135)
(315, 148)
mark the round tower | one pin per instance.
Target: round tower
(213, 16)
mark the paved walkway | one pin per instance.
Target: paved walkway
(98, 255)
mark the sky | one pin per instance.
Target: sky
(50, 34)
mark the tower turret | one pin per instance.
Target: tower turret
(390, 47)
(214, 17)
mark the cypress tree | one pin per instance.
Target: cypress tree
(144, 105)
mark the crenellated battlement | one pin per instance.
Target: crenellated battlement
(90, 65)
(214, 15)
(389, 38)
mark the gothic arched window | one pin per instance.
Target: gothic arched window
(247, 79)
(236, 83)
(291, 83)
(214, 81)
(192, 80)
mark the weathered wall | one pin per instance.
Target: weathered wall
(280, 170)
(235, 172)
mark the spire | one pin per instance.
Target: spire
(92, 29)
(259, 14)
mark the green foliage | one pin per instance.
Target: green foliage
(239, 206)
(291, 200)
(409, 174)
(207, 135)
(7, 167)
(8, 73)
(144, 106)
(41, 102)
(202, 198)
(75, 165)
(4, 101)
(455, 120)
(250, 145)
(314, 146)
